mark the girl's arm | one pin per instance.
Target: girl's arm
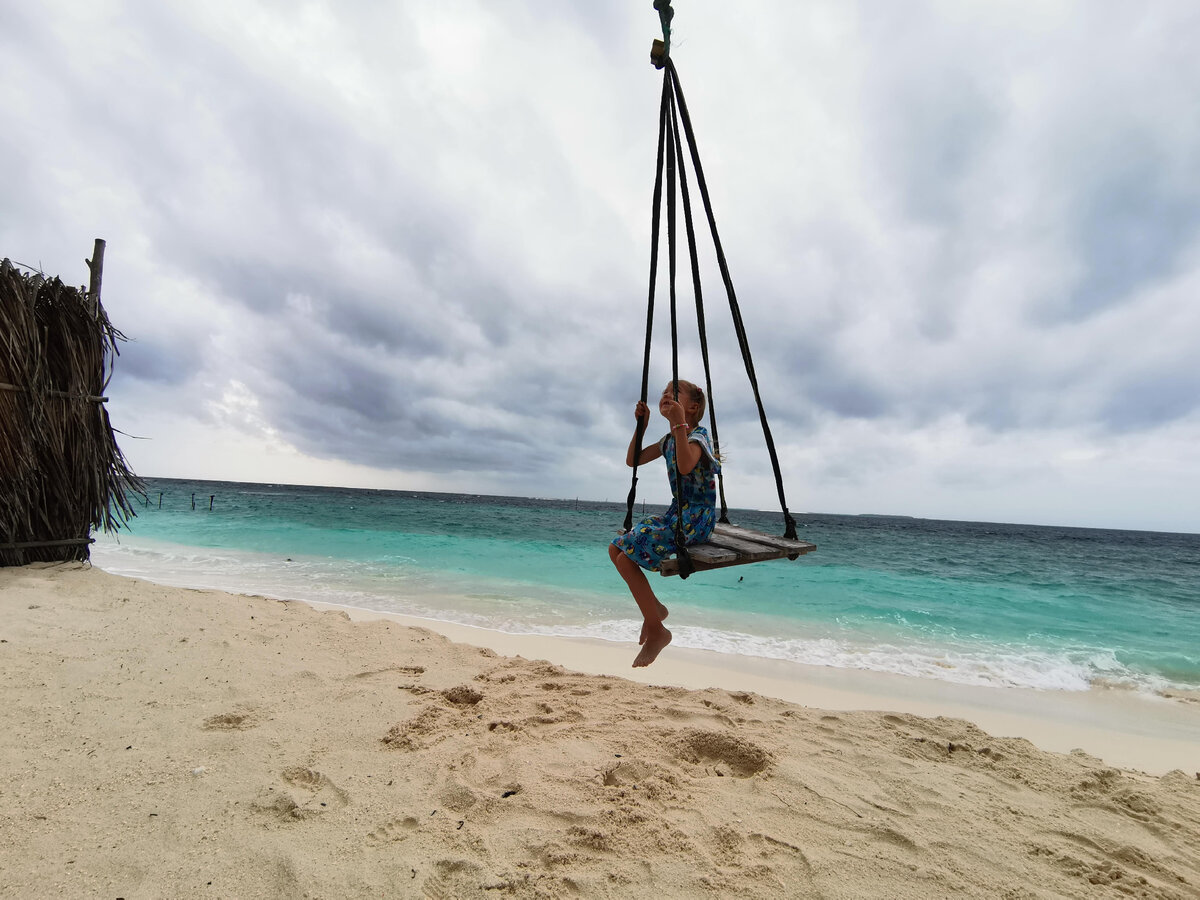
(687, 453)
(654, 451)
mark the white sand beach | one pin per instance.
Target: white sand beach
(168, 742)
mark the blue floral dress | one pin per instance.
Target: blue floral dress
(652, 540)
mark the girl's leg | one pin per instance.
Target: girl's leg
(654, 636)
(652, 610)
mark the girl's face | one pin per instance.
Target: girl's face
(668, 398)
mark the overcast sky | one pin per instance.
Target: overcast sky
(406, 244)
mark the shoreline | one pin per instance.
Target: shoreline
(165, 741)
(1127, 729)
(1130, 729)
(492, 603)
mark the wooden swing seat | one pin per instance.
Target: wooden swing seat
(734, 546)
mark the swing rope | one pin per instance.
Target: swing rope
(672, 111)
(685, 560)
(734, 308)
(698, 292)
(640, 431)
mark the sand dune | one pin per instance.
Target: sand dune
(163, 742)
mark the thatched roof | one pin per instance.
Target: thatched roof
(61, 471)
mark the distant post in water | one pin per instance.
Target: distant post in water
(210, 501)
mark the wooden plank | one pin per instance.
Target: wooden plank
(50, 393)
(66, 542)
(731, 545)
(711, 554)
(671, 566)
(761, 538)
(751, 550)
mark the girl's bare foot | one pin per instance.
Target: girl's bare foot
(662, 614)
(656, 641)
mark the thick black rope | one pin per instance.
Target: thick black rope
(698, 292)
(739, 326)
(640, 431)
(681, 554)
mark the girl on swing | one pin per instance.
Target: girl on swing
(687, 450)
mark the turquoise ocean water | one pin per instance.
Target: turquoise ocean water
(967, 602)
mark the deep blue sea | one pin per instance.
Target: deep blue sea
(967, 602)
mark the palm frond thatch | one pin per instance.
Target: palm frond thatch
(61, 471)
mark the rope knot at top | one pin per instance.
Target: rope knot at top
(659, 50)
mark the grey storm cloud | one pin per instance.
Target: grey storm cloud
(163, 363)
(1132, 223)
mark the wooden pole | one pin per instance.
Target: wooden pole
(96, 265)
(22, 545)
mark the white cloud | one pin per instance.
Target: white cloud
(406, 245)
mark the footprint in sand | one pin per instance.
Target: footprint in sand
(323, 793)
(422, 730)
(282, 805)
(393, 831)
(457, 796)
(1096, 873)
(631, 771)
(453, 878)
(230, 721)
(1107, 788)
(727, 753)
(462, 695)
(590, 838)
